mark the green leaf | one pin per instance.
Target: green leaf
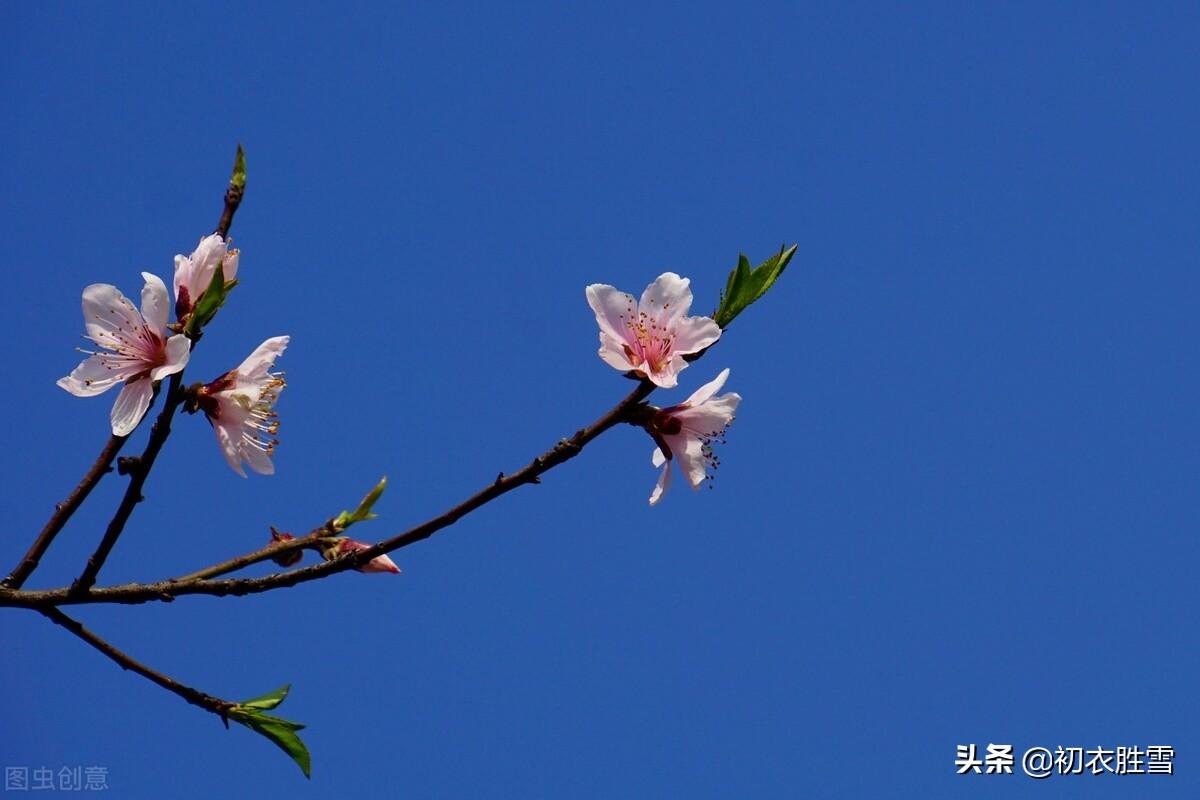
(280, 731)
(210, 301)
(746, 285)
(268, 700)
(363, 512)
(239, 169)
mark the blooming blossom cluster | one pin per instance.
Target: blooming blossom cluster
(139, 350)
(652, 338)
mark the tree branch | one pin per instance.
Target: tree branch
(133, 492)
(63, 512)
(564, 451)
(197, 698)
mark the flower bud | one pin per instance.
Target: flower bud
(291, 557)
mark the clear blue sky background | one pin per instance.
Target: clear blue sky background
(959, 502)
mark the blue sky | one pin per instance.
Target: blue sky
(958, 504)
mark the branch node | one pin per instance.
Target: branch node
(128, 465)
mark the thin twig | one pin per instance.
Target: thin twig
(565, 450)
(273, 550)
(133, 492)
(197, 698)
(63, 512)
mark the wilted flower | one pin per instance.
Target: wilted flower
(653, 335)
(343, 545)
(194, 273)
(141, 352)
(240, 406)
(686, 433)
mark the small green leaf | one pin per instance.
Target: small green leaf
(239, 169)
(746, 285)
(363, 512)
(280, 731)
(268, 700)
(210, 301)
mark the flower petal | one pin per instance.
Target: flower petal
(108, 315)
(612, 352)
(667, 377)
(259, 363)
(709, 419)
(227, 434)
(229, 266)
(257, 460)
(657, 458)
(176, 354)
(664, 483)
(155, 303)
(131, 406)
(708, 390)
(194, 273)
(94, 376)
(613, 310)
(693, 334)
(667, 299)
(690, 458)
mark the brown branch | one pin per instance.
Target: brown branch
(233, 199)
(273, 550)
(565, 450)
(133, 493)
(197, 698)
(63, 512)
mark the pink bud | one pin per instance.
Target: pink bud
(289, 558)
(346, 545)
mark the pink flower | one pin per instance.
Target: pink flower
(141, 352)
(240, 406)
(344, 545)
(194, 273)
(652, 336)
(686, 433)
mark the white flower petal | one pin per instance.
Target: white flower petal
(259, 363)
(693, 334)
(709, 419)
(229, 266)
(258, 461)
(664, 483)
(108, 315)
(227, 434)
(667, 377)
(131, 406)
(612, 353)
(93, 377)
(614, 309)
(155, 303)
(177, 351)
(708, 390)
(690, 459)
(657, 458)
(667, 299)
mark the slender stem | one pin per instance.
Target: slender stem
(197, 698)
(63, 512)
(133, 492)
(273, 550)
(233, 199)
(565, 450)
